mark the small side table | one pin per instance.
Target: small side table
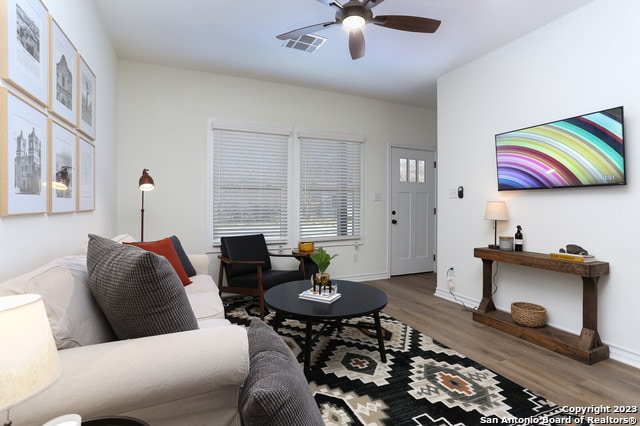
(310, 268)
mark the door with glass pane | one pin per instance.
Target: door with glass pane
(412, 214)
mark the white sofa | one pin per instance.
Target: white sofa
(186, 378)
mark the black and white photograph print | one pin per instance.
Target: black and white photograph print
(24, 147)
(63, 169)
(87, 102)
(86, 175)
(63, 84)
(24, 46)
(28, 35)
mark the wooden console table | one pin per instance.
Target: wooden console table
(587, 347)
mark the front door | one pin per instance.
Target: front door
(413, 212)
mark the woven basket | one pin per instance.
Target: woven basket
(528, 314)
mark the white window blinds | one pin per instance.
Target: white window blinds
(330, 187)
(250, 182)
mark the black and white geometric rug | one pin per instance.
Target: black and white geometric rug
(422, 382)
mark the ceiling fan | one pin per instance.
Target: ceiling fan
(354, 14)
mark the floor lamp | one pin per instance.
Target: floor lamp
(145, 183)
(495, 211)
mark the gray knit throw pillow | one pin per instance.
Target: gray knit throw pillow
(276, 392)
(138, 291)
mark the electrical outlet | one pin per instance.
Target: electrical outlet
(355, 257)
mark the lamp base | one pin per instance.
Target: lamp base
(494, 246)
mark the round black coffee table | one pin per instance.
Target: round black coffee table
(356, 300)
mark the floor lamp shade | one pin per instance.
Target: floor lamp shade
(145, 183)
(29, 358)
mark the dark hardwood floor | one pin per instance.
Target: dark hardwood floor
(553, 376)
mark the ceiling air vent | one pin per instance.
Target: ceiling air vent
(306, 43)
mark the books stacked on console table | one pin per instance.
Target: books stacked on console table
(324, 296)
(580, 258)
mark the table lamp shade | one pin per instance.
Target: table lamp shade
(28, 359)
(496, 210)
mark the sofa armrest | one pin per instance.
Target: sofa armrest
(200, 263)
(129, 375)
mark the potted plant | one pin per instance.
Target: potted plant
(322, 259)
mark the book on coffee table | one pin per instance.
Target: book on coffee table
(324, 297)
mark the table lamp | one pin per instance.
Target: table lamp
(495, 211)
(29, 358)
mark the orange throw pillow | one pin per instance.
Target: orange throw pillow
(165, 248)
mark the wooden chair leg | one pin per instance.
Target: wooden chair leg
(220, 278)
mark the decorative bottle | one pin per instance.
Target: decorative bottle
(518, 239)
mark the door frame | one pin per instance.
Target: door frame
(390, 146)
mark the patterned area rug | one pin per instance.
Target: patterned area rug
(422, 382)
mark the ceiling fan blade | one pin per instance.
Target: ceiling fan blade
(407, 23)
(305, 30)
(356, 44)
(331, 3)
(370, 4)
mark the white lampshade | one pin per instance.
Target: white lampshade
(496, 210)
(28, 359)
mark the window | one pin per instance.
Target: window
(252, 185)
(248, 178)
(330, 187)
(416, 172)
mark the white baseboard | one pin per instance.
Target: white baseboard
(624, 356)
(361, 278)
(615, 353)
(461, 300)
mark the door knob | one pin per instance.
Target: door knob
(394, 221)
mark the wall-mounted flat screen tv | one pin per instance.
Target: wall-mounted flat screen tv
(587, 150)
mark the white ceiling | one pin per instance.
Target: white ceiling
(238, 37)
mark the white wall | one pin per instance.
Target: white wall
(162, 126)
(581, 63)
(29, 241)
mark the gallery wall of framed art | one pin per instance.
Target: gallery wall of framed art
(47, 115)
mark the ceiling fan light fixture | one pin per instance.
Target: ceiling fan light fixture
(353, 22)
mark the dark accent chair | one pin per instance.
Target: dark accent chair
(246, 262)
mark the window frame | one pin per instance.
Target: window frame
(212, 242)
(331, 137)
(293, 182)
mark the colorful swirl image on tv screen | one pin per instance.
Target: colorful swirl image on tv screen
(586, 150)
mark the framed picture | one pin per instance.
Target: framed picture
(86, 175)
(63, 167)
(23, 156)
(24, 47)
(63, 101)
(87, 99)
